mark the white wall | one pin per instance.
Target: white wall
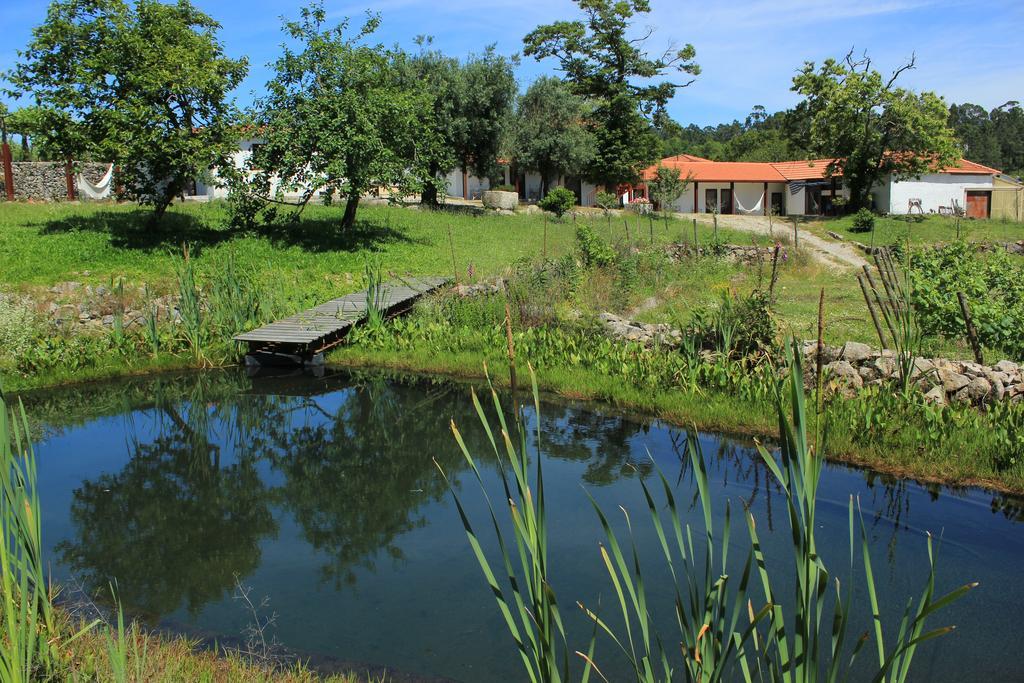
(882, 196)
(796, 202)
(935, 190)
(589, 191)
(475, 186)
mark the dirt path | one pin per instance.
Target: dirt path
(837, 255)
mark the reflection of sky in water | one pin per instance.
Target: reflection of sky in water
(331, 506)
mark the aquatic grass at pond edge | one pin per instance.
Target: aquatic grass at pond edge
(717, 641)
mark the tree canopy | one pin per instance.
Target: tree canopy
(471, 107)
(994, 138)
(339, 118)
(606, 63)
(142, 85)
(551, 137)
(872, 127)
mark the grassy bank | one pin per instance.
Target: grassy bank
(967, 455)
(920, 230)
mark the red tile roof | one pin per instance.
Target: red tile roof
(704, 170)
(721, 171)
(811, 169)
(969, 167)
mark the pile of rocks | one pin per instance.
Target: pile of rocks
(74, 307)
(853, 366)
(646, 334)
(734, 253)
(492, 286)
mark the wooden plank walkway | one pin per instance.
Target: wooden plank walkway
(317, 329)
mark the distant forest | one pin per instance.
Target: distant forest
(994, 138)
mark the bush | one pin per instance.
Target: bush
(594, 251)
(558, 201)
(504, 188)
(18, 327)
(606, 200)
(741, 326)
(993, 284)
(863, 221)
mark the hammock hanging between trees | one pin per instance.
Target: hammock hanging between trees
(100, 190)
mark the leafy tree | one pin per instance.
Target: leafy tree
(976, 133)
(338, 118)
(615, 73)
(484, 113)
(550, 136)
(558, 201)
(666, 187)
(472, 106)
(144, 86)
(442, 77)
(873, 128)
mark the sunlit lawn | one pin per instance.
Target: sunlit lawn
(921, 230)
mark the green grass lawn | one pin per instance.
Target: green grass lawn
(928, 230)
(41, 244)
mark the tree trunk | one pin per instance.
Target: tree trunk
(26, 151)
(429, 194)
(349, 219)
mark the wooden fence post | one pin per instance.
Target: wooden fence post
(69, 180)
(972, 334)
(8, 172)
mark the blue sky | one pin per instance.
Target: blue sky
(748, 50)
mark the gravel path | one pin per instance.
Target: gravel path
(837, 255)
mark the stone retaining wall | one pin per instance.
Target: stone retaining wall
(45, 179)
(853, 366)
(730, 252)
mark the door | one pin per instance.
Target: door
(813, 201)
(725, 201)
(710, 201)
(979, 203)
(777, 209)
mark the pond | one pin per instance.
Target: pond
(321, 494)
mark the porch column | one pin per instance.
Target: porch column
(764, 199)
(465, 184)
(696, 195)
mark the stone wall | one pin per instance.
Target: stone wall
(45, 179)
(854, 366)
(730, 252)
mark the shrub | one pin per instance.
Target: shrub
(594, 251)
(863, 221)
(993, 284)
(606, 201)
(558, 201)
(504, 188)
(741, 326)
(18, 327)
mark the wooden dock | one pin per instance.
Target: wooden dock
(302, 336)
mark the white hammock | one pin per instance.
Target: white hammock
(100, 190)
(739, 208)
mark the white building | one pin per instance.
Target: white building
(801, 188)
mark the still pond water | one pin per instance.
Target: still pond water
(321, 494)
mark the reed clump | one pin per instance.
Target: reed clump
(732, 622)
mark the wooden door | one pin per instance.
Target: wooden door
(710, 200)
(725, 203)
(979, 204)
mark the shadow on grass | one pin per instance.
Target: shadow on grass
(136, 230)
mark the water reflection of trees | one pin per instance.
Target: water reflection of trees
(174, 526)
(352, 463)
(355, 478)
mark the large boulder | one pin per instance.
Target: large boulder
(499, 199)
